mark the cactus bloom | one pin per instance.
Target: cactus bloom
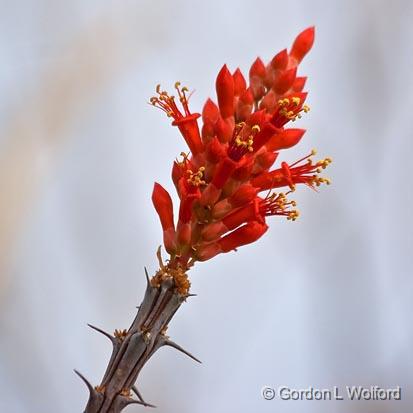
(230, 160)
(227, 188)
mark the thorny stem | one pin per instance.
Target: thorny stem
(134, 347)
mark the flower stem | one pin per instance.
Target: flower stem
(134, 347)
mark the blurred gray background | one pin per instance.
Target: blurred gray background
(324, 301)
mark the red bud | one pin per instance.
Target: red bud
(163, 204)
(264, 161)
(302, 44)
(299, 84)
(177, 173)
(239, 82)
(285, 81)
(257, 76)
(185, 209)
(257, 69)
(223, 129)
(285, 139)
(244, 194)
(269, 180)
(208, 132)
(269, 102)
(225, 92)
(213, 231)
(210, 195)
(210, 112)
(280, 60)
(243, 171)
(207, 251)
(244, 235)
(223, 172)
(184, 234)
(215, 151)
(244, 106)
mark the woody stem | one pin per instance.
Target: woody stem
(134, 347)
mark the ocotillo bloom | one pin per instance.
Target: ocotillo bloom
(227, 188)
(231, 157)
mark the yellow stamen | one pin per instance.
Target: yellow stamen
(249, 141)
(196, 178)
(296, 100)
(183, 162)
(284, 102)
(293, 215)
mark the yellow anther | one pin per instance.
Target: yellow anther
(284, 102)
(313, 152)
(196, 178)
(246, 142)
(324, 163)
(293, 215)
(306, 108)
(296, 100)
(255, 129)
(316, 180)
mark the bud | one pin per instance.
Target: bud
(280, 60)
(240, 85)
(163, 205)
(244, 106)
(257, 76)
(214, 151)
(210, 112)
(284, 139)
(264, 161)
(242, 196)
(225, 92)
(299, 84)
(244, 235)
(177, 174)
(223, 129)
(223, 172)
(285, 81)
(243, 170)
(302, 44)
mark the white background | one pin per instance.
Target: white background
(324, 301)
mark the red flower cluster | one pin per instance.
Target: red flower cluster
(220, 182)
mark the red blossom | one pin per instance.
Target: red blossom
(219, 182)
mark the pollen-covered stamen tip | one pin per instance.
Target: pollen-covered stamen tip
(182, 97)
(167, 103)
(185, 159)
(300, 173)
(289, 109)
(242, 140)
(182, 118)
(196, 178)
(278, 204)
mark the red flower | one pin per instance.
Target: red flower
(230, 162)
